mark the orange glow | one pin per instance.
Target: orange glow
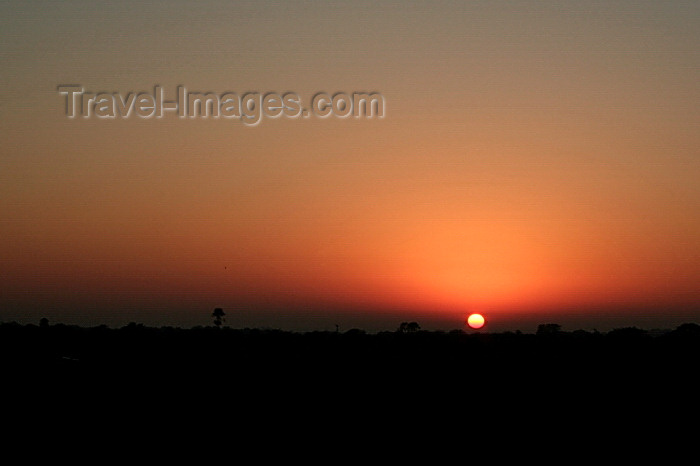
(520, 170)
(476, 321)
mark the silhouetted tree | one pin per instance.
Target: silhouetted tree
(44, 322)
(688, 329)
(548, 329)
(218, 316)
(408, 327)
(133, 327)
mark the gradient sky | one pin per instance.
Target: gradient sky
(539, 161)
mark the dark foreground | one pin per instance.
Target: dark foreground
(257, 378)
(290, 359)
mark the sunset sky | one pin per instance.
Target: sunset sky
(538, 161)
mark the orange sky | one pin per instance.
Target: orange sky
(537, 160)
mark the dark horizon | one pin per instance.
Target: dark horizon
(388, 322)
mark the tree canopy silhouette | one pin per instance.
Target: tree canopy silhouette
(408, 327)
(548, 329)
(219, 317)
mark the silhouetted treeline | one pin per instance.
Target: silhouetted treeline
(139, 346)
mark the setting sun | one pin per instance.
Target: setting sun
(476, 321)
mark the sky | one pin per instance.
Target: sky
(537, 161)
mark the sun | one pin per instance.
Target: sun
(476, 321)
